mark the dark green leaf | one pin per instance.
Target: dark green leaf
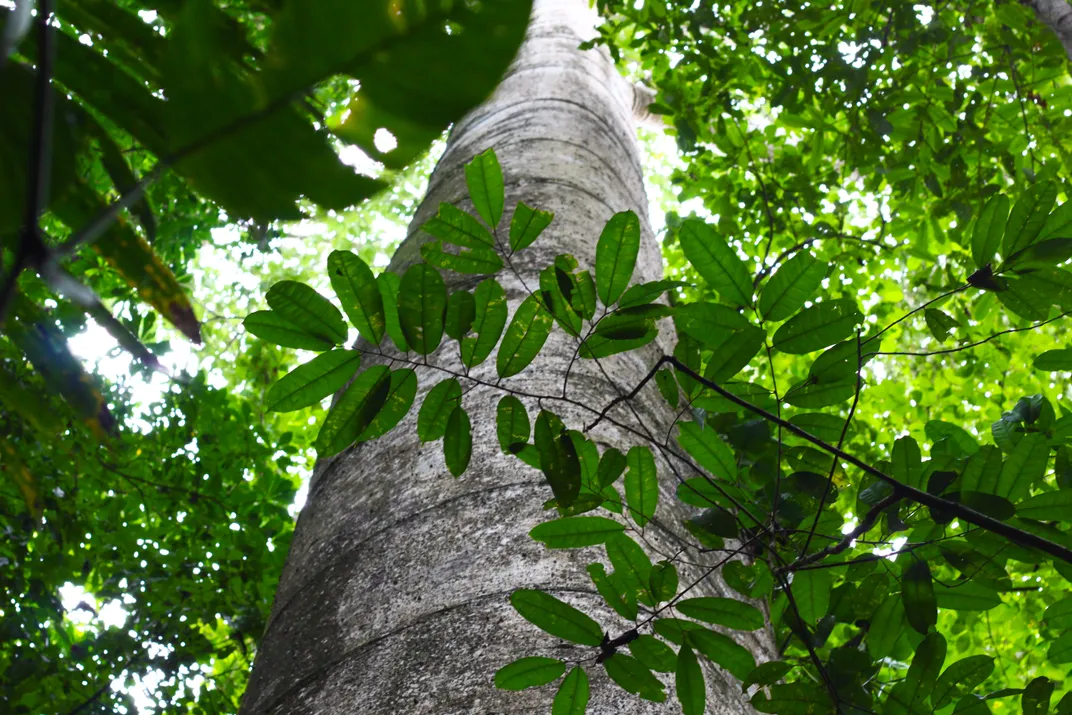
(512, 424)
(452, 225)
(729, 612)
(709, 323)
(715, 261)
(708, 449)
(354, 411)
(575, 531)
(1041, 255)
(556, 617)
(1054, 360)
(689, 682)
(641, 485)
(907, 462)
(663, 581)
(631, 563)
(645, 293)
(458, 442)
(529, 673)
(791, 286)
(461, 312)
(917, 592)
(966, 596)
(818, 327)
(1059, 615)
(653, 653)
(616, 254)
(273, 327)
(812, 395)
(389, 285)
(526, 225)
(618, 594)
(767, 673)
(960, 677)
(301, 305)
(734, 354)
(399, 400)
(357, 290)
(886, 626)
(634, 678)
(611, 466)
(1036, 697)
(438, 404)
(470, 261)
(989, 228)
(940, 323)
(937, 430)
(811, 591)
(1060, 650)
(525, 336)
(422, 301)
(558, 458)
(927, 663)
(310, 383)
(491, 314)
(572, 695)
(664, 380)
(1024, 467)
(1051, 506)
(485, 179)
(601, 345)
(722, 650)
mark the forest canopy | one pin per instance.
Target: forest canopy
(869, 203)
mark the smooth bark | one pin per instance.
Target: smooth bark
(395, 594)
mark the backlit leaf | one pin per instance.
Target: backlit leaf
(727, 611)
(1027, 217)
(818, 327)
(641, 485)
(422, 300)
(436, 409)
(491, 313)
(715, 261)
(485, 179)
(917, 593)
(395, 407)
(310, 383)
(791, 286)
(525, 336)
(301, 305)
(616, 254)
(354, 410)
(357, 290)
(526, 225)
(989, 228)
(273, 327)
(708, 449)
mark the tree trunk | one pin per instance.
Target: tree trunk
(395, 594)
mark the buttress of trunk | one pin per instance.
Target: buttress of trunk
(395, 594)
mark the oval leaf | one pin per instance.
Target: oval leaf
(555, 617)
(458, 442)
(791, 286)
(357, 290)
(490, 316)
(436, 409)
(689, 682)
(310, 383)
(575, 531)
(641, 485)
(354, 411)
(301, 305)
(273, 327)
(422, 300)
(725, 611)
(616, 255)
(572, 696)
(525, 336)
(529, 673)
(818, 327)
(715, 261)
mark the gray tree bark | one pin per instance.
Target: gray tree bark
(395, 594)
(1057, 15)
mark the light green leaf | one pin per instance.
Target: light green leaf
(572, 532)
(310, 383)
(556, 617)
(572, 695)
(709, 323)
(438, 404)
(618, 595)
(715, 261)
(791, 286)
(689, 682)
(734, 354)
(641, 485)
(960, 677)
(708, 449)
(525, 336)
(529, 673)
(818, 327)
(630, 561)
(526, 225)
(485, 179)
(273, 327)
(1027, 217)
(645, 293)
(491, 313)
(811, 591)
(616, 254)
(989, 228)
(422, 300)
(1024, 467)
(458, 441)
(729, 612)
(653, 653)
(1051, 506)
(357, 290)
(354, 411)
(301, 305)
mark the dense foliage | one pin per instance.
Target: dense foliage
(873, 273)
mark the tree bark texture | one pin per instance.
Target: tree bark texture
(1057, 15)
(395, 594)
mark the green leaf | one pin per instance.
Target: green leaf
(653, 653)
(966, 596)
(630, 561)
(818, 424)
(601, 345)
(452, 225)
(664, 380)
(729, 612)
(907, 462)
(310, 383)
(1051, 506)
(1054, 360)
(399, 400)
(389, 284)
(813, 396)
(491, 314)
(1059, 615)
(572, 532)
(558, 458)
(737, 660)
(793, 284)
(1027, 217)
(940, 323)
(689, 682)
(354, 411)
(422, 301)
(614, 591)
(583, 300)
(989, 228)
(512, 424)
(572, 695)
(887, 624)
(794, 699)
(917, 592)
(357, 290)
(1024, 467)
(663, 581)
(708, 449)
(818, 327)
(715, 261)
(767, 673)
(616, 254)
(611, 466)
(811, 591)
(301, 305)
(526, 225)
(556, 617)
(1041, 255)
(937, 430)
(470, 261)
(485, 179)
(1036, 697)
(634, 678)
(525, 336)
(734, 354)
(461, 312)
(1060, 650)
(960, 677)
(709, 323)
(273, 327)
(458, 441)
(529, 673)
(982, 472)
(645, 293)
(641, 485)
(438, 405)
(926, 665)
